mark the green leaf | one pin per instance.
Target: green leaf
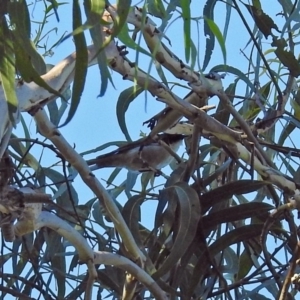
(186, 16)
(132, 215)
(208, 12)
(156, 8)
(124, 37)
(234, 213)
(245, 265)
(185, 226)
(94, 10)
(123, 8)
(124, 100)
(58, 262)
(7, 69)
(235, 236)
(19, 16)
(27, 70)
(81, 63)
(228, 190)
(54, 6)
(285, 133)
(231, 70)
(28, 62)
(227, 19)
(28, 159)
(217, 33)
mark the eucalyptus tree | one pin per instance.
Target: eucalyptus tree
(220, 221)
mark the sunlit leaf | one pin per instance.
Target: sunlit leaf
(81, 63)
(186, 15)
(156, 8)
(217, 33)
(19, 16)
(94, 10)
(7, 69)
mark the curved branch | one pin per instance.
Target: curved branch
(47, 129)
(125, 264)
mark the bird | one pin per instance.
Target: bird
(143, 155)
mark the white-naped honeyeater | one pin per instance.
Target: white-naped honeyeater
(143, 155)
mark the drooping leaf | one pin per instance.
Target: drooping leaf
(123, 8)
(7, 69)
(245, 265)
(156, 8)
(132, 216)
(231, 70)
(220, 170)
(54, 252)
(186, 16)
(189, 215)
(124, 100)
(94, 10)
(208, 12)
(124, 37)
(20, 18)
(227, 19)
(81, 63)
(27, 70)
(217, 33)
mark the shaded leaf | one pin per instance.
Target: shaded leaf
(58, 262)
(208, 180)
(124, 100)
(189, 215)
(235, 236)
(226, 191)
(245, 265)
(208, 12)
(287, 58)
(264, 23)
(234, 213)
(131, 213)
